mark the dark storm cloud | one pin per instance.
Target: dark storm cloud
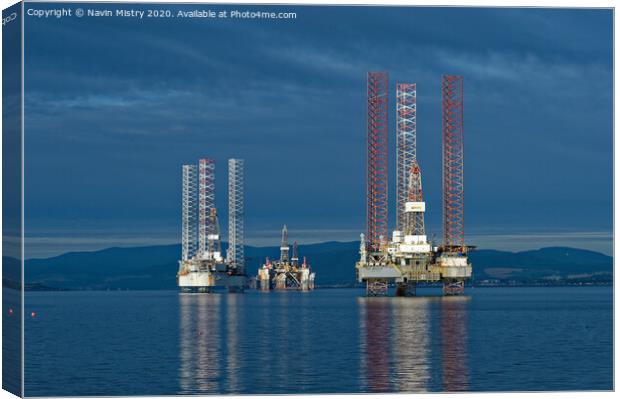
(115, 106)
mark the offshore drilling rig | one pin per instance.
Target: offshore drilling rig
(202, 266)
(286, 273)
(409, 258)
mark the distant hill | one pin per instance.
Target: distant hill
(552, 263)
(11, 272)
(155, 267)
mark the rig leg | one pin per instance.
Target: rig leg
(281, 281)
(453, 287)
(376, 288)
(411, 289)
(303, 284)
(264, 285)
(405, 289)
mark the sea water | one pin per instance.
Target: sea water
(325, 341)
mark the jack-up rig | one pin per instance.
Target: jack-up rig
(202, 266)
(409, 257)
(286, 273)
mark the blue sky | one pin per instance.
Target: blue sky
(115, 106)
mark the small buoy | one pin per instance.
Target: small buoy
(33, 314)
(10, 311)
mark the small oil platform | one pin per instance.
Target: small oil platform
(286, 273)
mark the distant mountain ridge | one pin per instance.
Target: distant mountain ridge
(155, 267)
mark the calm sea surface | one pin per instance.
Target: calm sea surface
(330, 340)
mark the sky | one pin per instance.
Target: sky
(115, 106)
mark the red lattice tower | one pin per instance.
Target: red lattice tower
(452, 137)
(377, 160)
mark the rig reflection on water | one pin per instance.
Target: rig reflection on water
(397, 348)
(284, 345)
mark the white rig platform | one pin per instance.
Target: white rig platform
(405, 262)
